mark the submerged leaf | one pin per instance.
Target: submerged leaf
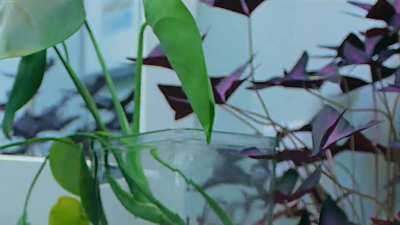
(306, 187)
(331, 214)
(90, 193)
(287, 182)
(68, 211)
(29, 78)
(180, 38)
(31, 26)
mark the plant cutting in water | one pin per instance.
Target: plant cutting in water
(297, 193)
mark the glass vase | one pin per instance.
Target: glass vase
(238, 184)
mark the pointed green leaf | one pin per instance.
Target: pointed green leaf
(180, 38)
(65, 165)
(30, 26)
(67, 211)
(27, 82)
(90, 194)
(146, 211)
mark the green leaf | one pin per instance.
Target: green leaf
(30, 26)
(68, 211)
(135, 183)
(65, 165)
(180, 38)
(210, 201)
(90, 194)
(146, 211)
(27, 82)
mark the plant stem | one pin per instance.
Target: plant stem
(123, 121)
(66, 52)
(29, 194)
(83, 91)
(138, 81)
(244, 121)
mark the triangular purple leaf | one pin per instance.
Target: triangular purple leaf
(177, 100)
(361, 5)
(299, 70)
(348, 83)
(245, 7)
(330, 126)
(227, 83)
(382, 10)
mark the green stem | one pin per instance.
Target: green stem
(29, 194)
(138, 81)
(66, 52)
(83, 91)
(123, 121)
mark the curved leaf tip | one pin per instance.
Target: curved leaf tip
(181, 40)
(29, 77)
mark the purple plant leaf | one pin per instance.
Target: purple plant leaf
(299, 70)
(376, 221)
(298, 77)
(331, 214)
(305, 218)
(353, 55)
(287, 182)
(324, 121)
(177, 100)
(361, 5)
(395, 87)
(156, 57)
(311, 181)
(330, 127)
(306, 187)
(390, 88)
(378, 40)
(382, 10)
(245, 7)
(348, 83)
(226, 84)
(330, 72)
(251, 152)
(358, 143)
(396, 5)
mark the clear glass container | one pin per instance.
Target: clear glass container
(239, 184)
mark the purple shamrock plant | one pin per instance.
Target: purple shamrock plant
(244, 7)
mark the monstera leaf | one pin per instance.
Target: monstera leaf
(180, 38)
(30, 26)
